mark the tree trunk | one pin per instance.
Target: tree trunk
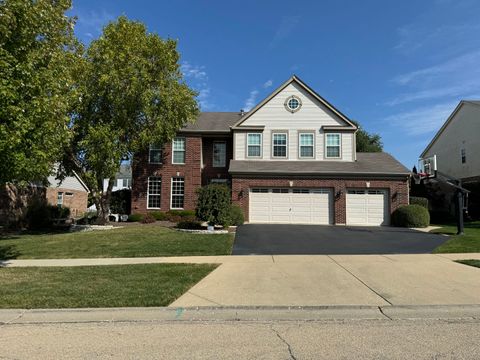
(102, 203)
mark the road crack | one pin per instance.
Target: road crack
(289, 348)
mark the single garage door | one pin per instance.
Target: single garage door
(290, 206)
(367, 207)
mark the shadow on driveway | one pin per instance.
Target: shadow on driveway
(274, 239)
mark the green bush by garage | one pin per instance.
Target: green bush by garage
(411, 216)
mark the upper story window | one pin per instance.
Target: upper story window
(464, 156)
(178, 150)
(279, 145)
(155, 154)
(254, 145)
(60, 199)
(332, 145)
(306, 145)
(219, 153)
(293, 103)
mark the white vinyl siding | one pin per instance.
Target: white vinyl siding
(311, 116)
(368, 207)
(178, 150)
(219, 153)
(177, 193)
(291, 206)
(254, 145)
(154, 192)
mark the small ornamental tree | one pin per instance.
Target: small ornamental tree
(213, 204)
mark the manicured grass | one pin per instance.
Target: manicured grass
(470, 242)
(130, 241)
(475, 263)
(98, 286)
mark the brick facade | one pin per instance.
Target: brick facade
(75, 200)
(190, 171)
(398, 190)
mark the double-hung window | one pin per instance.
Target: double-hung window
(155, 154)
(306, 145)
(464, 156)
(154, 192)
(279, 145)
(178, 153)
(219, 153)
(254, 145)
(333, 145)
(178, 193)
(60, 199)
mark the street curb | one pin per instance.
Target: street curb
(245, 313)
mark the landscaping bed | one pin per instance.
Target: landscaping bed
(98, 286)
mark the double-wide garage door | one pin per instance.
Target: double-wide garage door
(291, 206)
(367, 207)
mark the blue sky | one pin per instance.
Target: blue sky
(397, 67)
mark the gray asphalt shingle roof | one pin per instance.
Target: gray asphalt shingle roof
(367, 163)
(213, 122)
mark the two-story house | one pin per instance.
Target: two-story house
(291, 159)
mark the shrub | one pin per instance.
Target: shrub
(158, 215)
(40, 215)
(235, 215)
(411, 216)
(190, 225)
(213, 204)
(148, 219)
(135, 217)
(180, 215)
(120, 201)
(415, 200)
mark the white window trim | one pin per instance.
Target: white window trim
(224, 155)
(340, 145)
(148, 193)
(60, 195)
(261, 145)
(171, 193)
(184, 150)
(279, 132)
(149, 158)
(308, 132)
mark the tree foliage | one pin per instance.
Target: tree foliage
(37, 54)
(367, 142)
(132, 94)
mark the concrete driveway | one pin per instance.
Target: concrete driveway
(274, 239)
(337, 280)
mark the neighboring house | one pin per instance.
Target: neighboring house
(457, 148)
(291, 159)
(123, 179)
(71, 192)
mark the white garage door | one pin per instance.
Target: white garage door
(291, 206)
(367, 207)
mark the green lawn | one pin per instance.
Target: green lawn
(130, 241)
(475, 263)
(98, 286)
(470, 242)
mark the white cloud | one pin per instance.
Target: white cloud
(286, 27)
(91, 23)
(251, 101)
(422, 120)
(197, 77)
(193, 71)
(267, 84)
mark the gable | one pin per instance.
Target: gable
(314, 110)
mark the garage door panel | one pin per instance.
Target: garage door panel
(367, 207)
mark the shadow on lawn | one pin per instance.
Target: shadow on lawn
(8, 252)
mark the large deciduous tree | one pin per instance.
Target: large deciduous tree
(367, 142)
(38, 51)
(133, 95)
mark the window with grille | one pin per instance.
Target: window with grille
(178, 152)
(219, 153)
(154, 192)
(333, 146)
(155, 154)
(254, 145)
(306, 144)
(280, 191)
(464, 156)
(178, 192)
(279, 145)
(259, 190)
